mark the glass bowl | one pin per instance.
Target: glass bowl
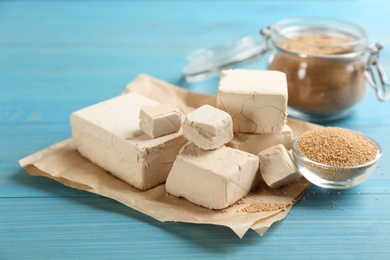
(334, 177)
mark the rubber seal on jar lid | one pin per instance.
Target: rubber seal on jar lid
(205, 63)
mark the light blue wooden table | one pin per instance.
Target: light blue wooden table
(57, 57)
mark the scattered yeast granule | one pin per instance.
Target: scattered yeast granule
(238, 202)
(336, 147)
(261, 206)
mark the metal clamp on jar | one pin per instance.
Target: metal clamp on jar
(382, 90)
(327, 63)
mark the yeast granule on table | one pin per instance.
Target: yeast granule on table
(336, 147)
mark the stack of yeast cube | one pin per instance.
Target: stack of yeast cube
(257, 102)
(206, 172)
(211, 157)
(217, 167)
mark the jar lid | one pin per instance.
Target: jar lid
(207, 62)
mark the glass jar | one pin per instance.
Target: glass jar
(326, 62)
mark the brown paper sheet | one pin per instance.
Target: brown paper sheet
(64, 164)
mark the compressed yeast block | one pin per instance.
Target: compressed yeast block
(256, 99)
(255, 143)
(108, 135)
(208, 127)
(276, 166)
(158, 120)
(213, 179)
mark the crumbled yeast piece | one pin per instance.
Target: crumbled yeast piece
(255, 143)
(213, 179)
(208, 127)
(256, 99)
(276, 166)
(158, 120)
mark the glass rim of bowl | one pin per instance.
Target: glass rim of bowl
(314, 163)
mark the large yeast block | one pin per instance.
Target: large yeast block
(208, 127)
(256, 100)
(159, 120)
(108, 135)
(213, 179)
(276, 167)
(255, 143)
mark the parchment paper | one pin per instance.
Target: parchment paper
(64, 164)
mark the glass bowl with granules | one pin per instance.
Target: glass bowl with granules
(335, 158)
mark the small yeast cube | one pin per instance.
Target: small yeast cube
(255, 143)
(276, 167)
(208, 127)
(213, 179)
(256, 100)
(158, 120)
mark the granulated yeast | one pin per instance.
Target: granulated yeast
(320, 85)
(238, 202)
(260, 206)
(318, 44)
(255, 206)
(336, 147)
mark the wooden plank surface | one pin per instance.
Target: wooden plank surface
(59, 56)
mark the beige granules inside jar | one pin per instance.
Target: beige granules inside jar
(320, 84)
(336, 147)
(318, 44)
